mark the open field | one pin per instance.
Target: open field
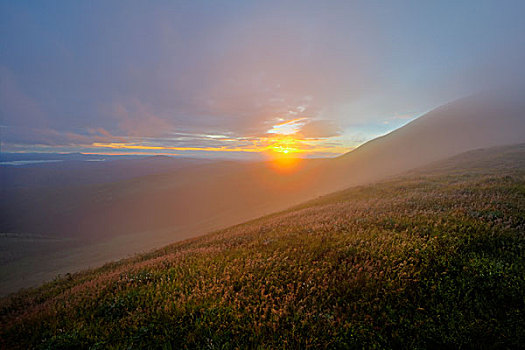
(434, 259)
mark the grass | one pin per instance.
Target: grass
(432, 260)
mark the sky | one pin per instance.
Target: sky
(241, 79)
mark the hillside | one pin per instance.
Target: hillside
(484, 120)
(432, 259)
(62, 217)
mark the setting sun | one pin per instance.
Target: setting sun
(284, 152)
(284, 145)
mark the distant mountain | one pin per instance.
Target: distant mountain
(78, 169)
(10, 157)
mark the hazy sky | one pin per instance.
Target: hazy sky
(233, 78)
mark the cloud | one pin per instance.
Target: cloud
(320, 129)
(16, 107)
(50, 137)
(136, 119)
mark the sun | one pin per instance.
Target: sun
(284, 145)
(284, 152)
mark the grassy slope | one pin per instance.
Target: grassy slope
(433, 259)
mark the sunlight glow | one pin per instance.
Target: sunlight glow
(284, 152)
(285, 164)
(284, 145)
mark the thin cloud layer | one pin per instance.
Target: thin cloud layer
(320, 129)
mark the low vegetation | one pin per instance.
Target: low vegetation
(430, 260)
